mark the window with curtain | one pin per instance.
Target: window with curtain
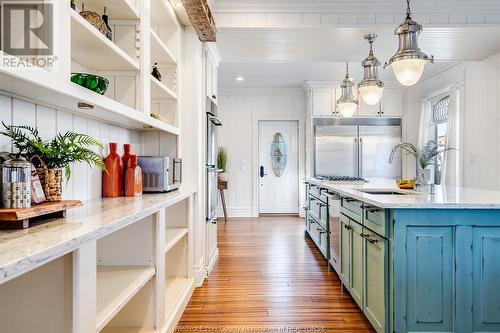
(438, 132)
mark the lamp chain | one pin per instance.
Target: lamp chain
(408, 11)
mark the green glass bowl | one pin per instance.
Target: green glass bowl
(93, 82)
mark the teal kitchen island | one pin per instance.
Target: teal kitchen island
(415, 262)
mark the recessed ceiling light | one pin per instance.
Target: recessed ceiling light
(240, 78)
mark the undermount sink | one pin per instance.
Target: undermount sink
(385, 192)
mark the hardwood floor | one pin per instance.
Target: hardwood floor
(270, 278)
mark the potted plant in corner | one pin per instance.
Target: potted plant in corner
(222, 163)
(53, 157)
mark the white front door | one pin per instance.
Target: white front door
(278, 167)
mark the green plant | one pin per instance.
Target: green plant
(59, 152)
(222, 159)
(425, 156)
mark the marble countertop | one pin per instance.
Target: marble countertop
(445, 197)
(23, 250)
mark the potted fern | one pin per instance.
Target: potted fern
(53, 157)
(222, 163)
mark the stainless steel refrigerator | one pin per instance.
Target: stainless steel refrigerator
(357, 147)
(211, 163)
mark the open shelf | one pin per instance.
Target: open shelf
(93, 50)
(177, 289)
(115, 9)
(161, 92)
(116, 285)
(159, 51)
(174, 235)
(162, 13)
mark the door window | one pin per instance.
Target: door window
(279, 155)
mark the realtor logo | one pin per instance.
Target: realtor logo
(27, 32)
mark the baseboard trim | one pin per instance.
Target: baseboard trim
(213, 260)
(200, 273)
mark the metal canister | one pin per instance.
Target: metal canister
(16, 183)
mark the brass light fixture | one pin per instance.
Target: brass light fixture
(347, 104)
(371, 88)
(409, 62)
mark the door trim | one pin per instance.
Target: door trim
(256, 166)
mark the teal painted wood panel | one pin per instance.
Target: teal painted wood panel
(345, 251)
(430, 279)
(376, 282)
(486, 279)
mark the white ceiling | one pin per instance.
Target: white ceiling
(354, 5)
(293, 75)
(285, 57)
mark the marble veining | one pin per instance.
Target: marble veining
(445, 197)
(23, 250)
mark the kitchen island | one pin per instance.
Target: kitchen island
(416, 262)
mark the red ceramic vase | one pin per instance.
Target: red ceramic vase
(112, 178)
(126, 155)
(133, 178)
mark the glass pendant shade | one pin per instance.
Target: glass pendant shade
(347, 104)
(409, 71)
(347, 110)
(371, 88)
(371, 94)
(409, 62)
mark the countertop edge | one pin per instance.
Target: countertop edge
(24, 263)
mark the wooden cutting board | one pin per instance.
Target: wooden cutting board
(19, 218)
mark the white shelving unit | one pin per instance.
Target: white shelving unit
(161, 92)
(160, 51)
(173, 236)
(116, 285)
(117, 9)
(136, 276)
(93, 50)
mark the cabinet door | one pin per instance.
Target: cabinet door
(486, 279)
(392, 103)
(375, 269)
(429, 284)
(323, 102)
(345, 250)
(356, 263)
(368, 110)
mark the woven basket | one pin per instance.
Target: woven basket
(51, 180)
(94, 19)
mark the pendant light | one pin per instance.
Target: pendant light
(371, 88)
(409, 62)
(347, 104)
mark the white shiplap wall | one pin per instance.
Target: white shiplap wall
(85, 183)
(480, 118)
(240, 113)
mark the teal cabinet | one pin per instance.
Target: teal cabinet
(446, 271)
(375, 269)
(486, 279)
(429, 281)
(345, 250)
(356, 286)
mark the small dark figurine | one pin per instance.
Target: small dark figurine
(105, 18)
(156, 73)
(72, 4)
